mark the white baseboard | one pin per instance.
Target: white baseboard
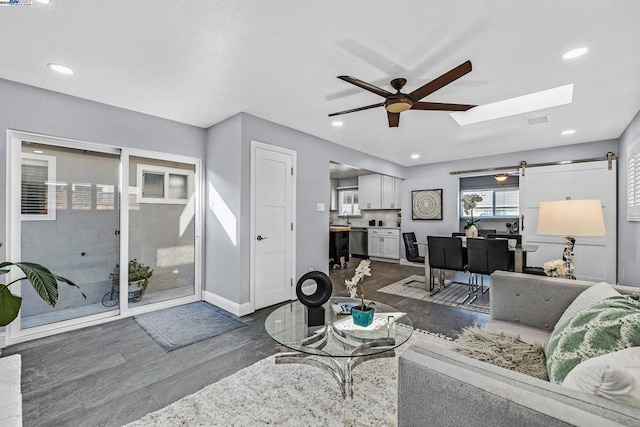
(228, 305)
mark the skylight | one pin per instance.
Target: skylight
(521, 104)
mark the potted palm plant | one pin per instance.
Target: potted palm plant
(43, 281)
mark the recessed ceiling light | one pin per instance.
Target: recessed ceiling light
(44, 1)
(62, 69)
(337, 123)
(574, 53)
(415, 156)
(568, 131)
(521, 104)
(38, 151)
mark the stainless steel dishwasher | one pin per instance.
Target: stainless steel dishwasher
(358, 244)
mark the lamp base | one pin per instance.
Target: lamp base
(567, 257)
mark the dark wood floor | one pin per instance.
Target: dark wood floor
(111, 374)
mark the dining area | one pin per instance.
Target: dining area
(468, 260)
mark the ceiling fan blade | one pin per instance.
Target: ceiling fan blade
(394, 119)
(441, 81)
(438, 106)
(365, 86)
(357, 109)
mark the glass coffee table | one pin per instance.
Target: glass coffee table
(337, 346)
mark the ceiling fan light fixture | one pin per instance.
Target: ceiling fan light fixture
(397, 106)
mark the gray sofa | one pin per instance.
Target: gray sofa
(438, 387)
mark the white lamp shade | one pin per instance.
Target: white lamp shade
(571, 218)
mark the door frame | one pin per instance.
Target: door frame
(252, 250)
(14, 138)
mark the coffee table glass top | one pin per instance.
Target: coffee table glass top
(339, 335)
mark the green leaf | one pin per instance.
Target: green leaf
(9, 306)
(4, 271)
(42, 280)
(70, 283)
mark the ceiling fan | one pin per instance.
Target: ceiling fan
(395, 103)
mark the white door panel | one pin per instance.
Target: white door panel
(594, 257)
(273, 243)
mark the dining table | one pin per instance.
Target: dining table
(520, 255)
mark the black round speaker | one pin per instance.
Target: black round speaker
(322, 293)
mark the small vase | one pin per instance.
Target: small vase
(471, 231)
(362, 317)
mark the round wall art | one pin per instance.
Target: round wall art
(426, 204)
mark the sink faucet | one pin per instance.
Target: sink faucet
(347, 213)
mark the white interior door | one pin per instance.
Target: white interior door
(594, 257)
(273, 218)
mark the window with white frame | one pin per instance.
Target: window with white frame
(38, 187)
(158, 184)
(497, 203)
(633, 182)
(348, 201)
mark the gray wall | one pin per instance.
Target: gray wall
(438, 175)
(229, 155)
(628, 231)
(30, 109)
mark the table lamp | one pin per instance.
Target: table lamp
(571, 218)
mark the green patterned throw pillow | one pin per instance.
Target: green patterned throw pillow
(613, 324)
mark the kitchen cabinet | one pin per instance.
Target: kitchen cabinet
(379, 192)
(384, 243)
(369, 191)
(390, 192)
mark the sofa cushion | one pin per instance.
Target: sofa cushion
(526, 333)
(591, 296)
(504, 350)
(614, 376)
(611, 325)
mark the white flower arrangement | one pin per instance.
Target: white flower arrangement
(555, 268)
(469, 202)
(363, 270)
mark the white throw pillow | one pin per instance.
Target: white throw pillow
(591, 296)
(614, 376)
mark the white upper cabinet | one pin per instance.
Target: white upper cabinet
(379, 192)
(370, 191)
(390, 192)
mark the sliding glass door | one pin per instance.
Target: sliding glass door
(161, 230)
(69, 219)
(130, 250)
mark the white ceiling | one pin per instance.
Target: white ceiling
(199, 62)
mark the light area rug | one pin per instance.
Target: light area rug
(294, 395)
(414, 287)
(178, 327)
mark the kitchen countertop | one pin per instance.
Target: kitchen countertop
(338, 227)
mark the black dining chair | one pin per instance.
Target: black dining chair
(445, 253)
(457, 234)
(411, 248)
(509, 238)
(484, 232)
(485, 256)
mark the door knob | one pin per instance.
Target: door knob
(260, 238)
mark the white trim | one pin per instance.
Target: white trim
(228, 305)
(294, 164)
(632, 183)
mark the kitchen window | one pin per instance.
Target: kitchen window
(348, 201)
